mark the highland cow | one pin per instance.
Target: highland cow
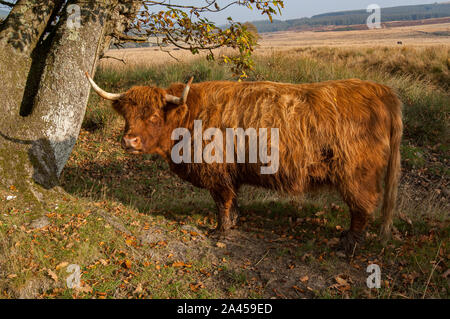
(345, 134)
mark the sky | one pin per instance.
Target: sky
(305, 8)
(297, 8)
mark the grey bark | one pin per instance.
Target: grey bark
(45, 93)
(19, 35)
(60, 103)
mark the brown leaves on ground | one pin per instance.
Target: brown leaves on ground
(180, 264)
(196, 287)
(341, 284)
(52, 275)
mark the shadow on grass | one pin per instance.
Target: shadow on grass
(147, 185)
(277, 240)
(274, 233)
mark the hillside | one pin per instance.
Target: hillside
(355, 17)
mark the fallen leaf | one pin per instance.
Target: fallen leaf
(52, 275)
(62, 265)
(138, 289)
(221, 245)
(179, 264)
(320, 213)
(85, 288)
(341, 281)
(196, 287)
(298, 289)
(127, 264)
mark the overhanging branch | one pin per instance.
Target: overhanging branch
(112, 57)
(130, 38)
(9, 4)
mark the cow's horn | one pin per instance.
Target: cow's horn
(102, 93)
(184, 96)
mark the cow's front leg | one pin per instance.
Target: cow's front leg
(227, 210)
(234, 213)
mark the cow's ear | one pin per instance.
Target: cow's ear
(174, 113)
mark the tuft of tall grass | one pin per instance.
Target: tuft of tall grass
(417, 74)
(424, 63)
(162, 75)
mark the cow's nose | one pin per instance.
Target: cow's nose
(131, 142)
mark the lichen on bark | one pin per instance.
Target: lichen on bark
(45, 92)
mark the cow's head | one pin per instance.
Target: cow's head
(145, 112)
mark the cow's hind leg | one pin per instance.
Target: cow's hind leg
(362, 196)
(227, 209)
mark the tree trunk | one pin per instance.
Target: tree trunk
(60, 103)
(19, 36)
(45, 92)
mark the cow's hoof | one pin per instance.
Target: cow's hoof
(349, 242)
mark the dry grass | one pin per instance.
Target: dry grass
(423, 35)
(412, 36)
(427, 64)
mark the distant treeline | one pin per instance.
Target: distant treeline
(403, 13)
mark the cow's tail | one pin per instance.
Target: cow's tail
(393, 168)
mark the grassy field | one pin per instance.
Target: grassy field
(421, 36)
(138, 231)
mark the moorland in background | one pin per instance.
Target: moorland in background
(345, 20)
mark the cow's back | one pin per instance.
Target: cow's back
(325, 129)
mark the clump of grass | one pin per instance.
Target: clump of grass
(97, 117)
(413, 157)
(162, 75)
(428, 122)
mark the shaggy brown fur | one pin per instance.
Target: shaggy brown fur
(344, 134)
